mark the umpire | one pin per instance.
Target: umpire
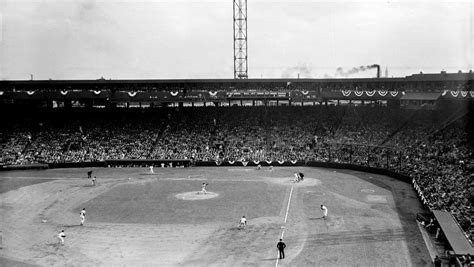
(281, 248)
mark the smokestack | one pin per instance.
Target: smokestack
(378, 70)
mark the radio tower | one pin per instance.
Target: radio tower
(240, 39)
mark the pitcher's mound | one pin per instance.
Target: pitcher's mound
(195, 196)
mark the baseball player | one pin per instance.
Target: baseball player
(94, 181)
(61, 237)
(242, 222)
(296, 177)
(151, 169)
(325, 211)
(203, 188)
(83, 216)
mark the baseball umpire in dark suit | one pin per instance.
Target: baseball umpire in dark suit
(281, 248)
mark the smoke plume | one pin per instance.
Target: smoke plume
(341, 73)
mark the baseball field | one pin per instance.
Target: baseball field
(137, 218)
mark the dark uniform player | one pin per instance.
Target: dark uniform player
(89, 174)
(281, 248)
(301, 175)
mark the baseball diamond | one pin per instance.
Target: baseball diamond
(141, 221)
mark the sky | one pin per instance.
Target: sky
(193, 39)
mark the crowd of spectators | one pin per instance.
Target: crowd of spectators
(409, 142)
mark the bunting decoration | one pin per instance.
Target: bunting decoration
(281, 162)
(132, 94)
(368, 93)
(293, 162)
(256, 162)
(174, 93)
(394, 93)
(444, 92)
(64, 92)
(463, 93)
(346, 92)
(471, 93)
(245, 163)
(383, 93)
(454, 93)
(30, 92)
(358, 93)
(269, 161)
(212, 93)
(231, 162)
(304, 92)
(96, 92)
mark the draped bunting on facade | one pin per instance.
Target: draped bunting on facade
(96, 92)
(256, 162)
(132, 94)
(393, 93)
(212, 93)
(30, 92)
(281, 162)
(304, 92)
(64, 92)
(245, 163)
(458, 93)
(174, 93)
(370, 93)
(269, 161)
(382, 93)
(232, 162)
(358, 93)
(293, 161)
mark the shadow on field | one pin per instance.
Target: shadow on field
(407, 205)
(315, 218)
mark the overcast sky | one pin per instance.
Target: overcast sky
(138, 39)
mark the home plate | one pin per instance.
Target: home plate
(283, 227)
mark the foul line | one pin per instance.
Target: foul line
(286, 218)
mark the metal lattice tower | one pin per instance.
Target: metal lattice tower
(240, 39)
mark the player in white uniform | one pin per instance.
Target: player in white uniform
(61, 237)
(325, 211)
(203, 188)
(151, 169)
(296, 177)
(94, 181)
(242, 222)
(83, 216)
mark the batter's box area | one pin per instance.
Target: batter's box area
(376, 198)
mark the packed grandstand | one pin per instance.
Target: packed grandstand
(434, 146)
